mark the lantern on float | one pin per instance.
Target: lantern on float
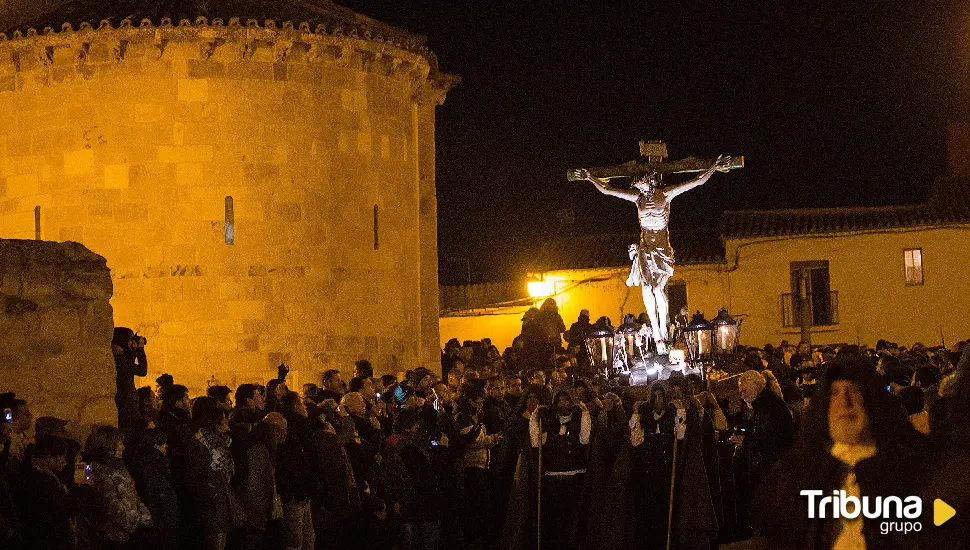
(725, 333)
(600, 344)
(698, 335)
(626, 336)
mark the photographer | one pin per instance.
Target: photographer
(128, 350)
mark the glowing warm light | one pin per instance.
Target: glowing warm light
(546, 286)
(677, 356)
(540, 289)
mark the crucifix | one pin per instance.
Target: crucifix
(653, 257)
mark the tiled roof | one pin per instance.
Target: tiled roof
(598, 251)
(314, 13)
(949, 203)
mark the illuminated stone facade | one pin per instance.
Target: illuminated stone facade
(262, 193)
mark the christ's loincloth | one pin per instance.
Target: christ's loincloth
(653, 259)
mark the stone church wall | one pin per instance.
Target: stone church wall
(55, 330)
(151, 145)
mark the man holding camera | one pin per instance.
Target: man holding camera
(128, 349)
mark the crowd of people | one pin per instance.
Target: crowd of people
(521, 449)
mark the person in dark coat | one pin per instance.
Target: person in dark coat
(563, 432)
(128, 350)
(47, 510)
(11, 529)
(497, 410)
(771, 430)
(515, 442)
(576, 340)
(409, 485)
(610, 433)
(948, 475)
(549, 328)
(255, 480)
(368, 442)
(295, 479)
(335, 496)
(150, 468)
(209, 471)
(117, 515)
(855, 438)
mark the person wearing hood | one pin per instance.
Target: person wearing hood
(948, 476)
(563, 433)
(856, 439)
(653, 426)
(576, 340)
(550, 327)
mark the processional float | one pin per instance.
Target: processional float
(650, 349)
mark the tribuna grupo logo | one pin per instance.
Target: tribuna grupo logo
(896, 513)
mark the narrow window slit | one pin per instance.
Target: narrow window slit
(230, 222)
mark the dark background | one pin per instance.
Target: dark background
(841, 105)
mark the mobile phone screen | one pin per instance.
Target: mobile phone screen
(82, 473)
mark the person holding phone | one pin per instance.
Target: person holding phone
(47, 510)
(17, 420)
(120, 511)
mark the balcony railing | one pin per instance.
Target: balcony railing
(821, 312)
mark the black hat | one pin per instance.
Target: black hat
(165, 380)
(121, 337)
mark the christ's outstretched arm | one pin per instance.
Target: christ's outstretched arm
(720, 165)
(605, 188)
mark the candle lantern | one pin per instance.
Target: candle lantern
(600, 344)
(626, 336)
(725, 333)
(698, 335)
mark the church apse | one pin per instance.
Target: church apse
(235, 174)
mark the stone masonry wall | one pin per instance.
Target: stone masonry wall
(55, 330)
(130, 140)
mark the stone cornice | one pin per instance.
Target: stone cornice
(408, 60)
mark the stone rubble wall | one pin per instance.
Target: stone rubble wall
(55, 331)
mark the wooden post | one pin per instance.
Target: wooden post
(673, 477)
(539, 487)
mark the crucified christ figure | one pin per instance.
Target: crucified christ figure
(653, 258)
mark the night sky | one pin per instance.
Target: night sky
(841, 105)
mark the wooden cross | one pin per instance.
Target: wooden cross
(655, 152)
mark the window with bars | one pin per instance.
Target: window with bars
(913, 259)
